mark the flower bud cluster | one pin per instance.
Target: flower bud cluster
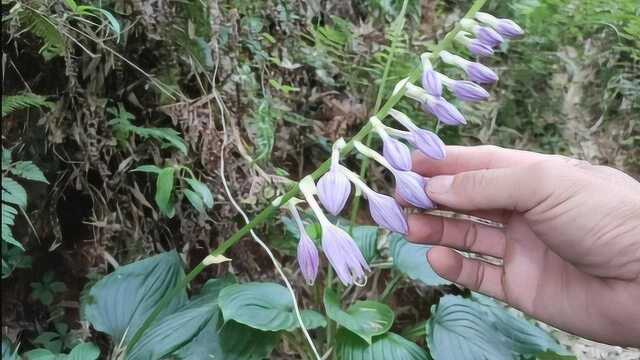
(480, 36)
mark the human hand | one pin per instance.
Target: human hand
(570, 245)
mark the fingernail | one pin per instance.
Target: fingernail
(439, 184)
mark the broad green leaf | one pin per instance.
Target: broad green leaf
(6, 158)
(229, 341)
(71, 4)
(388, 346)
(202, 190)
(264, 306)
(148, 168)
(28, 170)
(458, 329)
(173, 332)
(8, 352)
(84, 351)
(548, 355)
(13, 193)
(164, 189)
(122, 300)
(43, 354)
(214, 286)
(521, 336)
(366, 237)
(364, 318)
(194, 199)
(411, 260)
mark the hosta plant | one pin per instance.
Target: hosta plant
(145, 307)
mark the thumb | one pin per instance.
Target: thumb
(516, 188)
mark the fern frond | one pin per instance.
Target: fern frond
(45, 29)
(23, 101)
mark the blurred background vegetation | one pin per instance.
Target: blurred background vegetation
(94, 90)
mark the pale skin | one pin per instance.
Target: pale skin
(570, 245)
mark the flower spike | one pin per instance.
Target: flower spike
(341, 251)
(307, 255)
(333, 187)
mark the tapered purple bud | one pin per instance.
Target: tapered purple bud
(480, 74)
(431, 82)
(488, 36)
(396, 153)
(508, 28)
(343, 254)
(444, 111)
(386, 212)
(469, 91)
(411, 187)
(308, 258)
(334, 189)
(428, 143)
(479, 48)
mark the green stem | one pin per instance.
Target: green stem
(266, 214)
(391, 286)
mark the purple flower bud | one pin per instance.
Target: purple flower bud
(508, 28)
(343, 254)
(431, 82)
(444, 111)
(396, 153)
(480, 74)
(411, 187)
(334, 189)
(428, 143)
(469, 91)
(386, 212)
(479, 48)
(308, 258)
(488, 36)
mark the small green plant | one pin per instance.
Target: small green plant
(56, 341)
(82, 351)
(14, 199)
(46, 291)
(168, 191)
(123, 129)
(22, 101)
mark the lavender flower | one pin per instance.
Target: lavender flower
(505, 27)
(485, 34)
(383, 208)
(475, 46)
(465, 90)
(386, 212)
(431, 82)
(333, 187)
(477, 72)
(481, 74)
(308, 258)
(397, 153)
(411, 187)
(426, 141)
(444, 111)
(341, 251)
(343, 254)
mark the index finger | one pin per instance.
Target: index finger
(470, 158)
